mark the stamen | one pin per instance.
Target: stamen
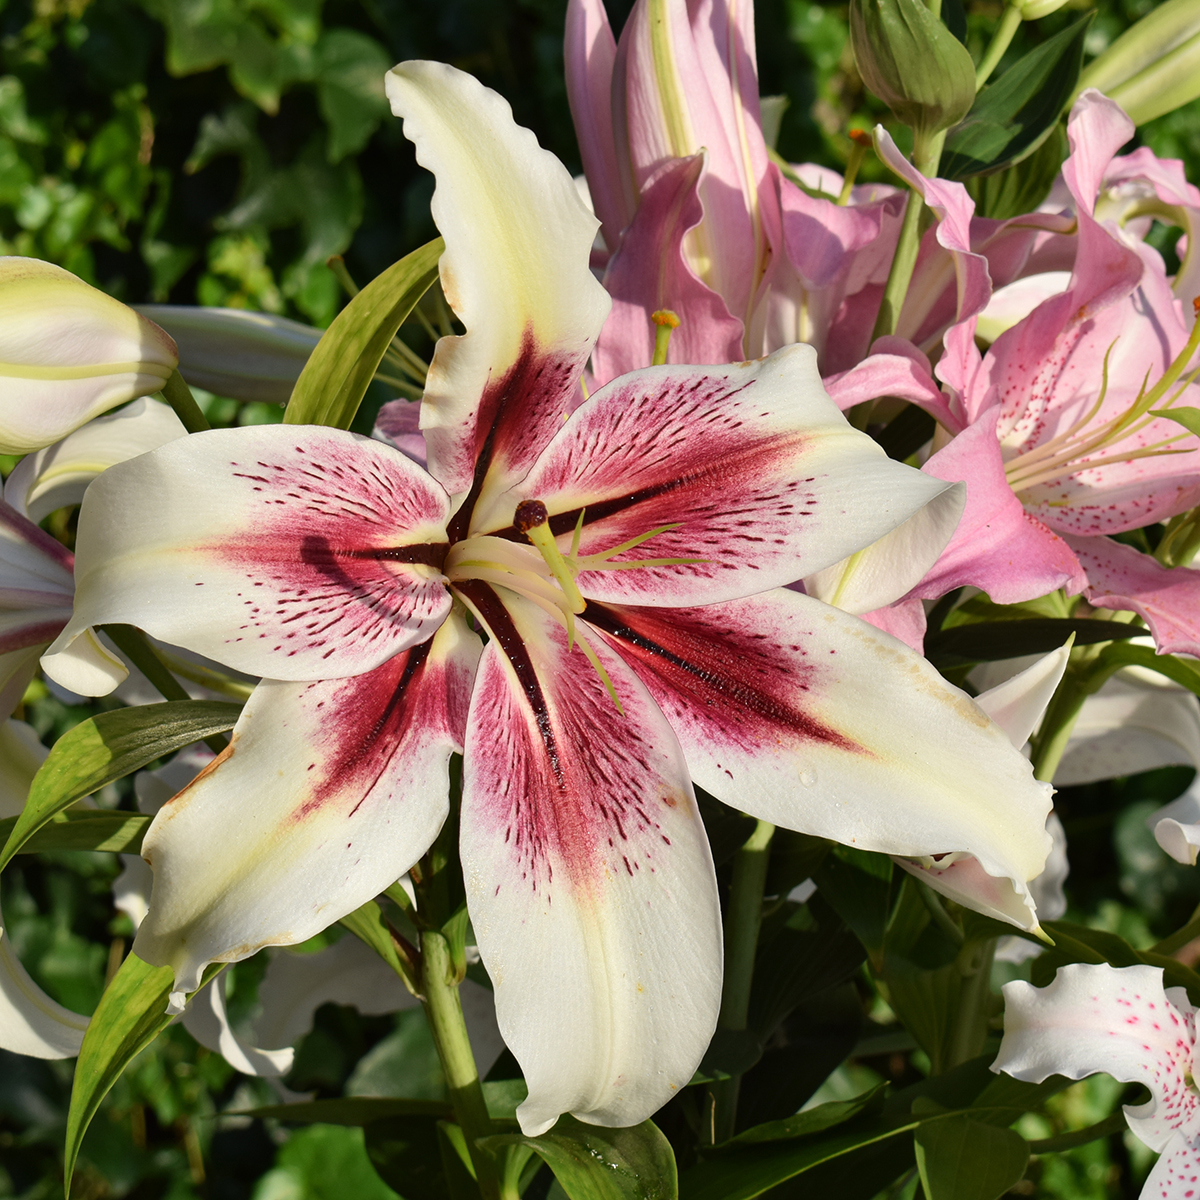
(664, 321)
(530, 519)
(860, 142)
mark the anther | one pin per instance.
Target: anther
(664, 321)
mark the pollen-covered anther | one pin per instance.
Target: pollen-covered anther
(529, 514)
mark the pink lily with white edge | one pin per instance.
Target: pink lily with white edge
(626, 565)
(1055, 427)
(1121, 1021)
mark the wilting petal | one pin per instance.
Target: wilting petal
(998, 546)
(59, 475)
(285, 554)
(21, 754)
(531, 314)
(786, 708)
(234, 352)
(1166, 598)
(763, 475)
(327, 794)
(68, 352)
(588, 53)
(589, 879)
(207, 1020)
(651, 272)
(1093, 1018)
(30, 1022)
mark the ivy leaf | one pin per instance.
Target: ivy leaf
(110, 746)
(131, 1014)
(350, 71)
(962, 1159)
(594, 1163)
(1011, 117)
(334, 380)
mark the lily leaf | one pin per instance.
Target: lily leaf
(1189, 418)
(962, 1159)
(110, 746)
(1182, 671)
(368, 925)
(991, 641)
(335, 378)
(352, 1110)
(118, 832)
(131, 1014)
(812, 1120)
(1021, 187)
(1011, 117)
(594, 1163)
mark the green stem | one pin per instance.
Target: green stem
(134, 645)
(179, 396)
(927, 153)
(970, 1020)
(1181, 937)
(1059, 721)
(443, 1008)
(1005, 32)
(742, 921)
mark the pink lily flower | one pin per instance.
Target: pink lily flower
(1121, 1021)
(626, 565)
(1052, 428)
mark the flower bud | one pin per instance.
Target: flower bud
(68, 352)
(235, 353)
(1034, 10)
(912, 62)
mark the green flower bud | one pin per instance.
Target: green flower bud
(912, 62)
(1034, 10)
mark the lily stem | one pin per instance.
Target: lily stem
(132, 642)
(1009, 24)
(742, 921)
(443, 1008)
(179, 396)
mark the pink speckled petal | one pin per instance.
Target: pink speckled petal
(326, 795)
(589, 879)
(1166, 598)
(293, 553)
(782, 707)
(650, 271)
(763, 475)
(998, 546)
(1094, 1018)
(515, 271)
(1176, 1175)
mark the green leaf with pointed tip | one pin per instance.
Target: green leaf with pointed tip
(810, 1121)
(992, 641)
(335, 378)
(117, 832)
(594, 1163)
(1189, 418)
(369, 925)
(1011, 117)
(1020, 188)
(131, 1014)
(110, 746)
(351, 1110)
(1184, 671)
(962, 1159)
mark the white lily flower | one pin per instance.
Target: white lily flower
(68, 353)
(1121, 1021)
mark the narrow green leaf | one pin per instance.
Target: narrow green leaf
(335, 378)
(593, 1163)
(110, 746)
(1011, 117)
(353, 1110)
(962, 1159)
(131, 1014)
(119, 832)
(1184, 671)
(369, 925)
(810, 1121)
(993, 640)
(1189, 418)
(1019, 189)
(1115, 1123)
(406, 1154)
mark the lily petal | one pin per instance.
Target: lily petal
(68, 352)
(59, 475)
(493, 394)
(293, 558)
(1125, 579)
(1121, 1021)
(589, 879)
(650, 272)
(21, 754)
(761, 476)
(207, 1021)
(327, 794)
(786, 708)
(1017, 704)
(30, 1021)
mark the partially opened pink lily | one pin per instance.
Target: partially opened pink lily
(625, 566)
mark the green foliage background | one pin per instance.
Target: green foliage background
(218, 152)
